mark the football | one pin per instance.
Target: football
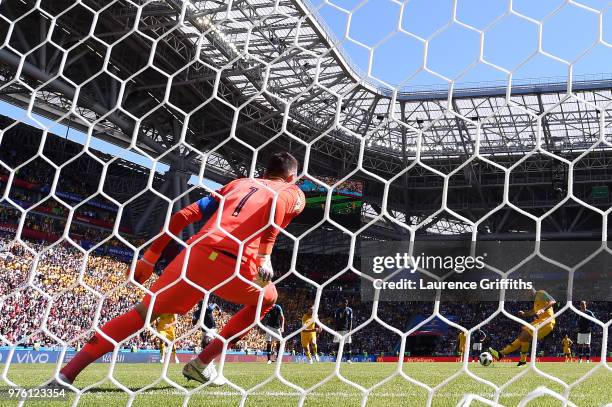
(485, 358)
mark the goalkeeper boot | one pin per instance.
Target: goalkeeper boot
(193, 371)
(496, 355)
(55, 384)
(519, 364)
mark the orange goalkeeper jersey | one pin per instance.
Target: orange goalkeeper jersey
(245, 214)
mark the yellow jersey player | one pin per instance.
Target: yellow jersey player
(460, 345)
(566, 344)
(165, 326)
(309, 336)
(544, 322)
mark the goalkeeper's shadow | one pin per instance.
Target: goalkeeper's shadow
(105, 390)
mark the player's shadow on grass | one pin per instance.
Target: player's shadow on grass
(134, 389)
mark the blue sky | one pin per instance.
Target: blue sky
(397, 57)
(508, 41)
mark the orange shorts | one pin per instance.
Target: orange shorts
(206, 269)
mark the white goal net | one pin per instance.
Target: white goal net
(417, 134)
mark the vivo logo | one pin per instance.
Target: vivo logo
(31, 357)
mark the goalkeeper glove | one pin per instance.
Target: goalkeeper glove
(265, 273)
(144, 266)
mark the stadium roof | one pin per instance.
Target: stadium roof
(260, 69)
(292, 63)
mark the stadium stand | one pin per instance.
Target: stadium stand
(72, 315)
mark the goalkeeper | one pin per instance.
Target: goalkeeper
(245, 214)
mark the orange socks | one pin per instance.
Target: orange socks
(117, 328)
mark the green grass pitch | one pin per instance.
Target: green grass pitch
(594, 391)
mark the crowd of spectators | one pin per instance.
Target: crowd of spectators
(32, 181)
(43, 227)
(66, 290)
(38, 171)
(70, 294)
